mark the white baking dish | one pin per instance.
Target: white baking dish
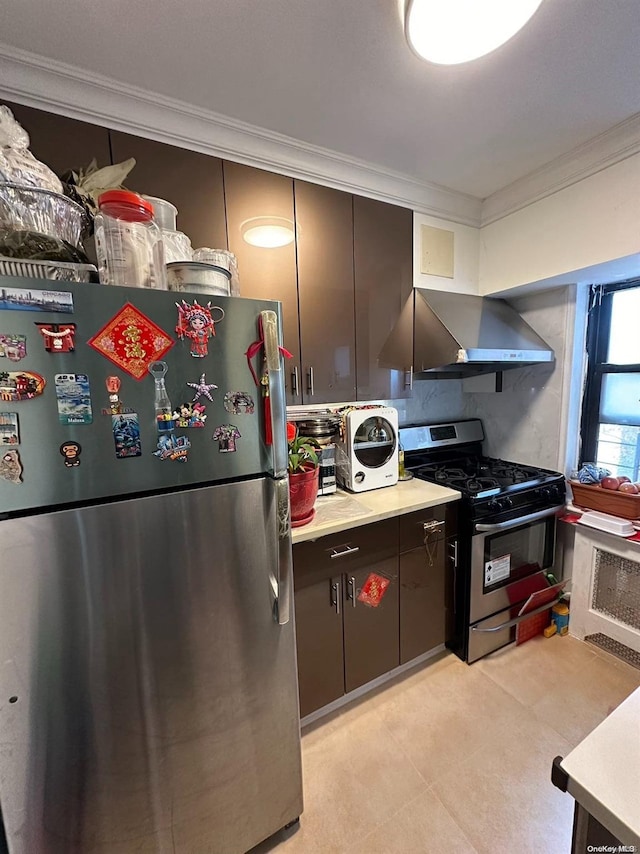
(605, 522)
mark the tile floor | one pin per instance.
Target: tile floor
(452, 758)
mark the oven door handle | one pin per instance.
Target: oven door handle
(522, 520)
(519, 619)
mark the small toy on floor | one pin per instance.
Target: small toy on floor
(559, 620)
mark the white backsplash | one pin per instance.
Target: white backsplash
(432, 401)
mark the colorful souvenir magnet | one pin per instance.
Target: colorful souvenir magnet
(20, 386)
(74, 398)
(71, 452)
(373, 590)
(239, 403)
(190, 415)
(58, 337)
(14, 347)
(165, 420)
(197, 323)
(9, 432)
(173, 448)
(126, 435)
(202, 388)
(131, 341)
(115, 404)
(226, 435)
(11, 467)
(24, 299)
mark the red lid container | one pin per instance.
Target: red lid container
(126, 205)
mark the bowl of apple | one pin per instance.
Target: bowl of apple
(615, 495)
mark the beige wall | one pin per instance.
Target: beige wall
(587, 225)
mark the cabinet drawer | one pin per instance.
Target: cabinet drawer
(411, 524)
(347, 551)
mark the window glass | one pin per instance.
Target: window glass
(624, 341)
(620, 399)
(619, 450)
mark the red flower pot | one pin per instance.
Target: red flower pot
(303, 491)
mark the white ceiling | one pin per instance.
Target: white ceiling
(338, 74)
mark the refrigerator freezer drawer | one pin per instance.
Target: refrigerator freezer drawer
(154, 694)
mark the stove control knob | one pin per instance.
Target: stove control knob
(546, 494)
(494, 505)
(506, 503)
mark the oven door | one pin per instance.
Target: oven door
(506, 556)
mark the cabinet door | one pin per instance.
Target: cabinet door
(188, 179)
(254, 198)
(383, 259)
(324, 230)
(319, 643)
(422, 600)
(371, 629)
(60, 142)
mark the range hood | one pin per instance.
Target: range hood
(441, 335)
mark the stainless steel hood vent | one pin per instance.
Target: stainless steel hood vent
(441, 335)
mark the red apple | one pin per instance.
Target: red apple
(629, 488)
(609, 483)
(624, 479)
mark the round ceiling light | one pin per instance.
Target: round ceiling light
(448, 32)
(267, 232)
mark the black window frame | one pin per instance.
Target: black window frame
(597, 346)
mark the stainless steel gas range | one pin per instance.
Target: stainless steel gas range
(507, 530)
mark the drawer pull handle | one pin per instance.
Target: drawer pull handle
(347, 550)
(516, 620)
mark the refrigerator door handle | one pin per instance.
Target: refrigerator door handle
(285, 557)
(277, 400)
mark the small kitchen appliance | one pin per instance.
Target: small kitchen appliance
(506, 539)
(324, 429)
(367, 448)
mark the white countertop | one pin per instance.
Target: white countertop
(344, 510)
(604, 772)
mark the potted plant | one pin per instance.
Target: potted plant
(304, 470)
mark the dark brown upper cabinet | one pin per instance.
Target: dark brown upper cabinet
(256, 199)
(383, 259)
(62, 143)
(324, 233)
(188, 179)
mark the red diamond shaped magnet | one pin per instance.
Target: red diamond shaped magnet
(131, 341)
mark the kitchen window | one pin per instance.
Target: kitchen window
(611, 407)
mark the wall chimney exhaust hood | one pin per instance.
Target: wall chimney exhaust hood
(440, 335)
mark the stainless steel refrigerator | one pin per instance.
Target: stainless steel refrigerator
(148, 690)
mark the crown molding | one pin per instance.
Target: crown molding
(54, 86)
(608, 148)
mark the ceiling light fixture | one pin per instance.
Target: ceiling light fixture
(448, 32)
(267, 232)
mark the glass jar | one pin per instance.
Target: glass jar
(128, 242)
(220, 258)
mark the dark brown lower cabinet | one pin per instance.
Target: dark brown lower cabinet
(370, 632)
(426, 579)
(346, 634)
(319, 643)
(422, 600)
